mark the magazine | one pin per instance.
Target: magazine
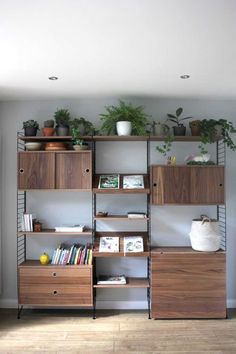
(72, 228)
(109, 181)
(134, 181)
(133, 244)
(136, 215)
(109, 244)
(111, 279)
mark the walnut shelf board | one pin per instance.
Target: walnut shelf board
(67, 151)
(54, 190)
(183, 250)
(51, 232)
(120, 138)
(119, 217)
(50, 138)
(145, 190)
(130, 283)
(36, 263)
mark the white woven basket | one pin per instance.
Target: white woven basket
(205, 234)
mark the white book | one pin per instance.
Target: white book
(136, 215)
(75, 228)
(31, 222)
(112, 279)
(133, 244)
(133, 182)
(27, 222)
(109, 244)
(23, 223)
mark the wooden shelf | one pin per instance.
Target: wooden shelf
(179, 250)
(130, 283)
(120, 138)
(119, 217)
(56, 151)
(51, 138)
(52, 232)
(145, 190)
(36, 263)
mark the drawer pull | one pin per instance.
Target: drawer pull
(21, 171)
(54, 274)
(87, 170)
(154, 184)
(54, 292)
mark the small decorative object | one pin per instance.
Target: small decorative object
(55, 146)
(44, 258)
(203, 159)
(124, 112)
(171, 160)
(205, 234)
(179, 129)
(48, 129)
(33, 146)
(160, 129)
(37, 226)
(195, 127)
(30, 127)
(62, 118)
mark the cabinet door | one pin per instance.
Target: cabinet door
(74, 170)
(170, 185)
(36, 170)
(188, 285)
(207, 185)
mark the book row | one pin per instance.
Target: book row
(73, 255)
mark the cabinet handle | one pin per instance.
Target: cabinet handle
(54, 274)
(54, 292)
(154, 184)
(87, 170)
(21, 171)
(220, 184)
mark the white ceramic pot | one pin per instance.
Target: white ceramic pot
(123, 128)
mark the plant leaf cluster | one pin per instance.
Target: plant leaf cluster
(209, 131)
(62, 117)
(176, 118)
(124, 112)
(166, 146)
(31, 124)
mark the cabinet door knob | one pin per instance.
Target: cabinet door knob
(21, 171)
(221, 184)
(54, 274)
(87, 170)
(154, 184)
(54, 292)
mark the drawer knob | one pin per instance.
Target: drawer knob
(54, 274)
(21, 171)
(154, 184)
(54, 292)
(87, 170)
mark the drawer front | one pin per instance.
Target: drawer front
(55, 275)
(55, 295)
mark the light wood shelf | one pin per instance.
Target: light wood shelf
(119, 217)
(130, 283)
(52, 232)
(36, 263)
(179, 250)
(40, 138)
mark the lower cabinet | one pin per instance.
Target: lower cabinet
(58, 285)
(187, 284)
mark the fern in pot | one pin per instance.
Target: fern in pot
(124, 119)
(62, 118)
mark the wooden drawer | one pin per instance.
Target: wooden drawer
(188, 284)
(57, 294)
(56, 275)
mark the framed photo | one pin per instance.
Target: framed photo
(109, 181)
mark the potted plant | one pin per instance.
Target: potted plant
(124, 118)
(85, 127)
(212, 129)
(195, 127)
(30, 127)
(160, 129)
(62, 118)
(48, 129)
(179, 129)
(77, 142)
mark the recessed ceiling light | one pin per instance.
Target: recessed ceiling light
(185, 76)
(53, 78)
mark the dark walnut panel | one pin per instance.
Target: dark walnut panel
(74, 170)
(36, 170)
(188, 285)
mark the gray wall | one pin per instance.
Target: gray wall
(170, 225)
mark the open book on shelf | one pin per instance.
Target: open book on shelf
(133, 244)
(133, 181)
(109, 181)
(111, 279)
(109, 244)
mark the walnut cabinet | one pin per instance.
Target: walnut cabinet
(55, 170)
(187, 184)
(187, 284)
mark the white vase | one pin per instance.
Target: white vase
(123, 128)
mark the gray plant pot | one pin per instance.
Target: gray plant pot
(30, 131)
(179, 130)
(62, 131)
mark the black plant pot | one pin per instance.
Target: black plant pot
(62, 130)
(179, 130)
(30, 131)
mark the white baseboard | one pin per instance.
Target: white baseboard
(108, 305)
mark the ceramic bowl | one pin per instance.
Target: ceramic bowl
(34, 146)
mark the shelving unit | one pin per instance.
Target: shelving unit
(170, 271)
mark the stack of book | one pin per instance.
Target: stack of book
(111, 280)
(73, 228)
(27, 222)
(136, 215)
(72, 255)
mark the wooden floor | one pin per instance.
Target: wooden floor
(68, 331)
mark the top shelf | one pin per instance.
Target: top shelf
(111, 138)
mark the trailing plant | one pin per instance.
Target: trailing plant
(124, 112)
(209, 132)
(75, 134)
(200, 162)
(88, 127)
(176, 118)
(62, 117)
(31, 124)
(166, 146)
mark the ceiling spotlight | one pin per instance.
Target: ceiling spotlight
(185, 76)
(53, 78)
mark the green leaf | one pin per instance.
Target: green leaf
(179, 111)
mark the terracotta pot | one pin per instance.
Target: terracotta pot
(48, 131)
(195, 130)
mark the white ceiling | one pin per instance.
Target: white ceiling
(117, 47)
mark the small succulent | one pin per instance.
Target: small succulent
(31, 124)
